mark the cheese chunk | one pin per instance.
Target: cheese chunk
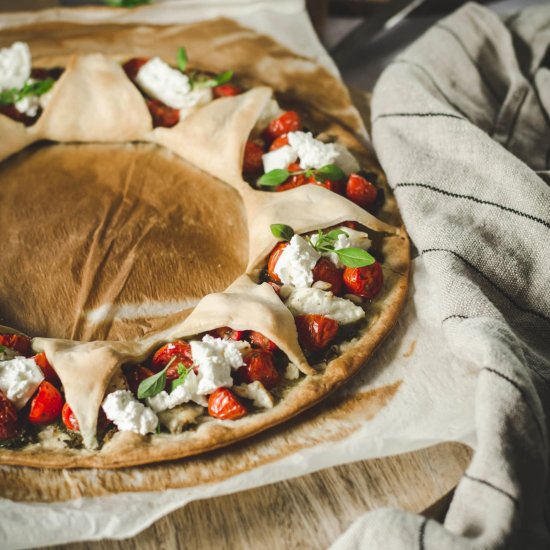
(128, 414)
(19, 379)
(295, 265)
(15, 66)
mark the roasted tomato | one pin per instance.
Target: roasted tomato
(259, 365)
(316, 332)
(226, 90)
(289, 121)
(47, 370)
(326, 271)
(162, 115)
(46, 405)
(228, 333)
(273, 259)
(17, 342)
(9, 426)
(225, 405)
(136, 375)
(364, 281)
(351, 225)
(258, 340)
(335, 186)
(361, 191)
(179, 349)
(132, 66)
(279, 142)
(71, 423)
(293, 181)
(252, 161)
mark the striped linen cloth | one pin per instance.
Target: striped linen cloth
(461, 124)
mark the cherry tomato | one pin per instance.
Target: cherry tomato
(259, 366)
(289, 121)
(162, 115)
(46, 405)
(258, 340)
(279, 142)
(273, 259)
(136, 375)
(9, 425)
(315, 332)
(17, 342)
(132, 66)
(71, 423)
(227, 90)
(332, 185)
(228, 333)
(364, 281)
(179, 349)
(225, 405)
(361, 191)
(326, 271)
(293, 181)
(351, 225)
(252, 162)
(47, 370)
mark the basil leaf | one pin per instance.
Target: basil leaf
(274, 178)
(2, 349)
(335, 233)
(223, 78)
(330, 172)
(182, 59)
(9, 97)
(154, 384)
(282, 231)
(126, 3)
(355, 257)
(183, 372)
(216, 81)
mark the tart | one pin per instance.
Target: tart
(324, 282)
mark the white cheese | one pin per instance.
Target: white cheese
(19, 379)
(257, 393)
(15, 66)
(184, 393)
(312, 300)
(295, 265)
(128, 414)
(215, 358)
(270, 112)
(279, 158)
(29, 105)
(292, 372)
(352, 239)
(160, 81)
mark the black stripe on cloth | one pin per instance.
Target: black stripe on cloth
(473, 199)
(494, 487)
(523, 394)
(485, 80)
(421, 532)
(455, 316)
(492, 283)
(432, 80)
(392, 115)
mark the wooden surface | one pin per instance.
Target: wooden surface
(308, 512)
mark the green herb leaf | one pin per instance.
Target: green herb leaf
(2, 349)
(330, 172)
(355, 257)
(335, 233)
(8, 97)
(125, 3)
(154, 384)
(282, 231)
(183, 371)
(217, 80)
(182, 59)
(274, 178)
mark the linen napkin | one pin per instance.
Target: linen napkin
(461, 124)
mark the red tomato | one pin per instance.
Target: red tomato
(179, 349)
(252, 162)
(228, 333)
(227, 90)
(289, 121)
(136, 375)
(162, 115)
(331, 185)
(223, 404)
(315, 332)
(273, 259)
(361, 191)
(259, 365)
(46, 405)
(279, 142)
(351, 225)
(258, 340)
(364, 281)
(47, 370)
(71, 423)
(293, 181)
(9, 425)
(132, 66)
(326, 271)
(17, 342)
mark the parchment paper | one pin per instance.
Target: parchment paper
(354, 424)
